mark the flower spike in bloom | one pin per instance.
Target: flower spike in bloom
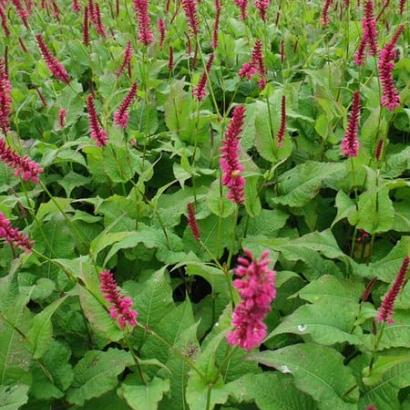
(229, 161)
(23, 167)
(4, 25)
(350, 142)
(256, 287)
(390, 97)
(192, 222)
(126, 59)
(161, 30)
(13, 236)
(324, 19)
(121, 306)
(62, 114)
(386, 309)
(282, 128)
(5, 98)
(189, 7)
(121, 115)
(262, 6)
(96, 131)
(243, 7)
(144, 22)
(199, 92)
(255, 66)
(53, 64)
(215, 33)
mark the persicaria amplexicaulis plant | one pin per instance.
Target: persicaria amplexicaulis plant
(390, 97)
(262, 6)
(21, 11)
(189, 7)
(121, 115)
(97, 133)
(282, 129)
(256, 66)
(13, 236)
(24, 167)
(215, 33)
(324, 18)
(386, 309)
(256, 288)
(350, 143)
(75, 6)
(86, 31)
(229, 160)
(56, 68)
(120, 306)
(243, 7)
(161, 31)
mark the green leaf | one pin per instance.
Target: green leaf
(13, 397)
(217, 201)
(302, 183)
(261, 388)
(375, 211)
(346, 208)
(317, 371)
(41, 333)
(96, 373)
(145, 397)
(327, 323)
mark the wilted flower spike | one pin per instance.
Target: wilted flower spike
(121, 306)
(13, 235)
(256, 287)
(379, 150)
(61, 117)
(282, 128)
(229, 161)
(144, 22)
(96, 131)
(171, 59)
(53, 64)
(402, 5)
(5, 98)
(23, 167)
(192, 223)
(386, 309)
(191, 15)
(390, 97)
(350, 142)
(121, 115)
(199, 92)
(161, 30)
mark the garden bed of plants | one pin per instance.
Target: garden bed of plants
(204, 204)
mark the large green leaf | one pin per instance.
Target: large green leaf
(13, 397)
(145, 397)
(96, 373)
(317, 371)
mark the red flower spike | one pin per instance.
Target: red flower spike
(229, 160)
(161, 30)
(62, 114)
(199, 92)
(5, 98)
(386, 309)
(96, 131)
(192, 222)
(282, 129)
(256, 287)
(21, 11)
(262, 6)
(56, 68)
(4, 24)
(218, 8)
(350, 143)
(126, 59)
(121, 306)
(121, 115)
(144, 22)
(86, 33)
(24, 167)
(189, 7)
(324, 19)
(13, 236)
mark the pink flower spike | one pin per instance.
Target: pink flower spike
(262, 6)
(13, 236)
(402, 5)
(161, 30)
(24, 167)
(390, 97)
(96, 131)
(121, 115)
(121, 306)
(324, 19)
(4, 25)
(229, 160)
(215, 33)
(192, 222)
(256, 287)
(126, 59)
(282, 129)
(144, 22)
(243, 7)
(5, 98)
(75, 6)
(386, 309)
(56, 68)
(350, 143)
(199, 92)
(62, 114)
(189, 7)
(86, 32)
(21, 11)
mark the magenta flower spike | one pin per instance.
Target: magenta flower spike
(192, 222)
(190, 11)
(144, 22)
(121, 306)
(256, 287)
(5, 98)
(229, 160)
(199, 92)
(350, 143)
(121, 115)
(96, 131)
(386, 309)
